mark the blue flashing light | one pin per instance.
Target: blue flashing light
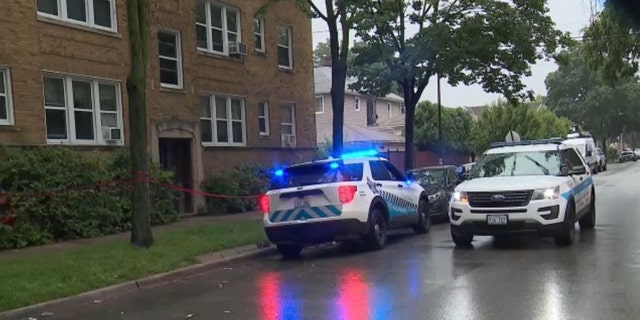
(279, 173)
(360, 154)
(333, 165)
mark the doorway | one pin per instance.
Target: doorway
(175, 156)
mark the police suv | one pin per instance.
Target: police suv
(356, 197)
(540, 186)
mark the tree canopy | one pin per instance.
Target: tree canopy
(456, 128)
(583, 95)
(490, 42)
(530, 120)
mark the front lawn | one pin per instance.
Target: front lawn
(27, 281)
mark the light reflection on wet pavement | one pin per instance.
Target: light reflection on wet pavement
(420, 277)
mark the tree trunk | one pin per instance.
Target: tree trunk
(338, 81)
(137, 11)
(409, 118)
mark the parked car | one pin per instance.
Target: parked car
(628, 155)
(601, 160)
(466, 169)
(438, 182)
(357, 197)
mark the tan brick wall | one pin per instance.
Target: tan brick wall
(32, 44)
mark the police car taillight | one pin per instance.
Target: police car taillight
(347, 193)
(264, 204)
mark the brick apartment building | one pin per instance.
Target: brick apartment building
(225, 85)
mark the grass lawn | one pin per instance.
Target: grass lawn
(27, 281)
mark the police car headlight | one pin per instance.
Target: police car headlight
(460, 197)
(546, 194)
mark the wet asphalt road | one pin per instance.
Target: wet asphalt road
(422, 277)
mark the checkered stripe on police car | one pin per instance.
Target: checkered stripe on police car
(398, 204)
(304, 213)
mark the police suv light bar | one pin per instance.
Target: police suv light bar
(526, 142)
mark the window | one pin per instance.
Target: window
(357, 104)
(217, 25)
(384, 171)
(170, 55)
(222, 120)
(6, 106)
(284, 48)
(529, 163)
(99, 14)
(317, 173)
(319, 104)
(288, 119)
(82, 110)
(258, 34)
(263, 118)
(389, 109)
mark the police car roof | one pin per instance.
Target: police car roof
(328, 160)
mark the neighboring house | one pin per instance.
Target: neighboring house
(363, 116)
(225, 86)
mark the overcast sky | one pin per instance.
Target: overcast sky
(569, 15)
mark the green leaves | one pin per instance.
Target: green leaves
(489, 42)
(531, 120)
(456, 128)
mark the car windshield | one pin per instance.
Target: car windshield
(518, 164)
(316, 173)
(430, 176)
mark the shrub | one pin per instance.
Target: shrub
(244, 180)
(45, 217)
(612, 155)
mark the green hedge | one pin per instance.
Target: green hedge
(245, 180)
(77, 213)
(612, 155)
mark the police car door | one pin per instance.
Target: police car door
(581, 188)
(391, 188)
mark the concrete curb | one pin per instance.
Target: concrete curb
(206, 262)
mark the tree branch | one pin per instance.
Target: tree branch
(317, 10)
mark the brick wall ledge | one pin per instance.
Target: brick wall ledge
(221, 148)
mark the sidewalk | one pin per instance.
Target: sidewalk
(185, 222)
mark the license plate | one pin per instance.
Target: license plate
(301, 203)
(497, 219)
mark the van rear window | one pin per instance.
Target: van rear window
(310, 174)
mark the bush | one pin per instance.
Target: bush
(45, 217)
(245, 180)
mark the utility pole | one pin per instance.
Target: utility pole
(441, 161)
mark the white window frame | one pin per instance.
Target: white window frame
(225, 32)
(289, 30)
(292, 107)
(5, 73)
(260, 33)
(67, 81)
(178, 58)
(214, 122)
(63, 15)
(321, 104)
(357, 101)
(264, 105)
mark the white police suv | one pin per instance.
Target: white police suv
(355, 197)
(540, 186)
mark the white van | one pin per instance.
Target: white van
(586, 145)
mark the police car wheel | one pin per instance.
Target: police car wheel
(376, 237)
(567, 233)
(289, 251)
(424, 219)
(588, 221)
(461, 238)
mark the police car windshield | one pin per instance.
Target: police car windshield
(518, 164)
(316, 173)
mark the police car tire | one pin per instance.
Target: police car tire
(588, 221)
(567, 233)
(289, 251)
(424, 219)
(376, 238)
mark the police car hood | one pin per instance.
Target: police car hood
(510, 183)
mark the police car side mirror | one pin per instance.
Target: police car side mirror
(588, 153)
(578, 170)
(409, 176)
